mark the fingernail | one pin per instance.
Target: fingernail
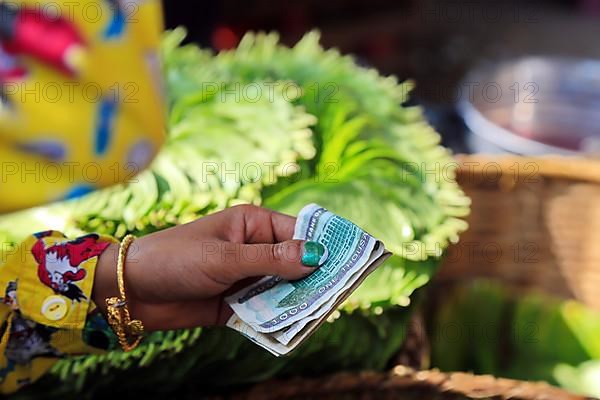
(313, 254)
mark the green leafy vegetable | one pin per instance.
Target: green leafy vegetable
(484, 328)
(283, 127)
(584, 378)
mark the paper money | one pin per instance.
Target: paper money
(278, 314)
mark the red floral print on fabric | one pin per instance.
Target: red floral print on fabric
(59, 265)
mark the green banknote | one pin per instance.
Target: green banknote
(278, 314)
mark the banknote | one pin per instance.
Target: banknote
(286, 335)
(282, 342)
(273, 304)
(278, 314)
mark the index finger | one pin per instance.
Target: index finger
(261, 225)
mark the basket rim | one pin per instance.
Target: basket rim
(402, 379)
(552, 166)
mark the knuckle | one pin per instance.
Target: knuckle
(290, 252)
(275, 255)
(244, 208)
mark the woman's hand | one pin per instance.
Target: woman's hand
(177, 278)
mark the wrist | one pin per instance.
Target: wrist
(118, 308)
(105, 277)
(133, 276)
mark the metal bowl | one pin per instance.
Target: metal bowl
(532, 106)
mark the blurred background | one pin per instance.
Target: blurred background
(474, 61)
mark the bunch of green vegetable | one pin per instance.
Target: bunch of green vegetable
(281, 127)
(483, 327)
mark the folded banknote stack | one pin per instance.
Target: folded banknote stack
(278, 314)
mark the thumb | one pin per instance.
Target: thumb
(292, 259)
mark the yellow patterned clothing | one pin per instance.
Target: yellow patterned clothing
(81, 107)
(97, 121)
(47, 311)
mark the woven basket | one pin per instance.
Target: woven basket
(534, 225)
(404, 384)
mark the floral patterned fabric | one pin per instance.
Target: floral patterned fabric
(82, 103)
(81, 107)
(47, 311)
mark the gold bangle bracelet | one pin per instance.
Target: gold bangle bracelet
(128, 331)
